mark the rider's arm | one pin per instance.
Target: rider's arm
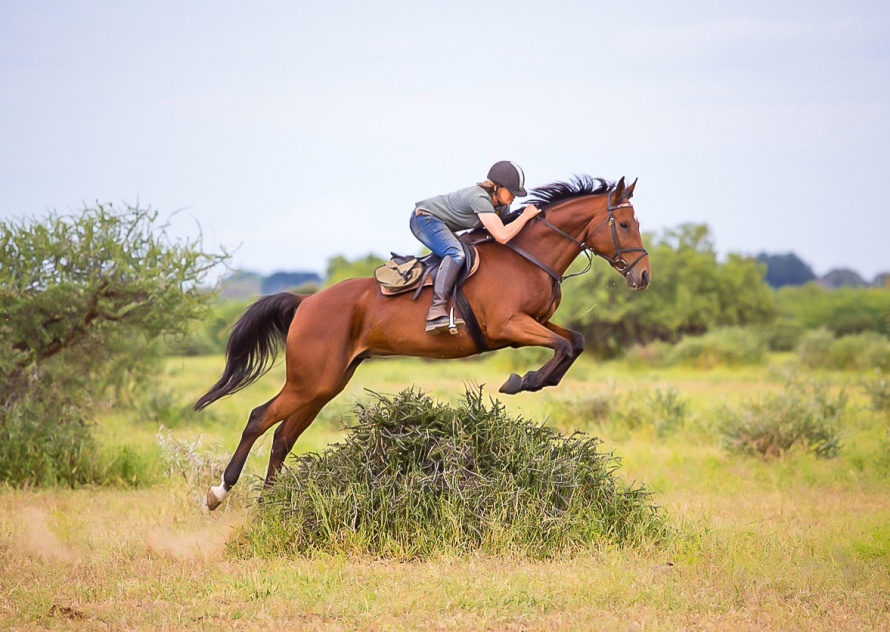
(505, 232)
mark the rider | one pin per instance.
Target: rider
(436, 220)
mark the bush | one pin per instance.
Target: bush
(731, 346)
(415, 478)
(804, 416)
(782, 335)
(820, 349)
(879, 391)
(47, 441)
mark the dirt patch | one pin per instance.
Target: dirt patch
(205, 543)
(38, 540)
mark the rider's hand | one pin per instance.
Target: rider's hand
(530, 211)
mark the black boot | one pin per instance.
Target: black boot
(438, 319)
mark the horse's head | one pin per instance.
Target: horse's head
(614, 234)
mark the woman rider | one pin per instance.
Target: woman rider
(436, 220)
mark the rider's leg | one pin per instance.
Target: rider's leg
(435, 235)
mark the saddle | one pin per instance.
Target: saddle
(402, 274)
(405, 273)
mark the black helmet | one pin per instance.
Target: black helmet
(510, 176)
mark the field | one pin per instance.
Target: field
(796, 542)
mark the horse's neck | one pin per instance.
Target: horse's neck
(548, 245)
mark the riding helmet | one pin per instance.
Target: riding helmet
(510, 176)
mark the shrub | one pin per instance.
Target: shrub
(804, 416)
(414, 478)
(663, 410)
(782, 335)
(879, 391)
(820, 349)
(729, 346)
(47, 441)
(189, 461)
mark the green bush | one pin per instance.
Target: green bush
(47, 441)
(805, 416)
(782, 335)
(415, 478)
(732, 346)
(878, 390)
(843, 311)
(820, 349)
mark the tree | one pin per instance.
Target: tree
(83, 298)
(691, 292)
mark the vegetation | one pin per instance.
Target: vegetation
(85, 299)
(691, 293)
(798, 542)
(414, 478)
(843, 311)
(772, 425)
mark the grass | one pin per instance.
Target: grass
(797, 543)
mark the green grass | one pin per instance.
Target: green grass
(795, 543)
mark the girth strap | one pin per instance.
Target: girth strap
(475, 331)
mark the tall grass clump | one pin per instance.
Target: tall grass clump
(804, 416)
(416, 478)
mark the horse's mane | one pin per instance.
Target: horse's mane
(579, 185)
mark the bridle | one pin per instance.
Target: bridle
(617, 261)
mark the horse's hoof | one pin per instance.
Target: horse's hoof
(213, 501)
(512, 386)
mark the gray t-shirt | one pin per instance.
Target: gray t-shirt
(460, 209)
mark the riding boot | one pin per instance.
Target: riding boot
(438, 318)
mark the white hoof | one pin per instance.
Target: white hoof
(216, 495)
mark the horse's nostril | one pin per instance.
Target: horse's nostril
(644, 278)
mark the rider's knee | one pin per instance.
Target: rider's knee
(457, 255)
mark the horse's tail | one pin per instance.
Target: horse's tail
(253, 345)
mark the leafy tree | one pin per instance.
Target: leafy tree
(84, 299)
(691, 292)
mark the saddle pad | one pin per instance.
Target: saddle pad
(427, 280)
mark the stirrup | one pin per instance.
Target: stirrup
(441, 323)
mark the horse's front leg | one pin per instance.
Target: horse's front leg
(527, 332)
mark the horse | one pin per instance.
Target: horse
(513, 294)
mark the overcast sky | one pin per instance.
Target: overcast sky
(294, 131)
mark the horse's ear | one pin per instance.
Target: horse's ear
(618, 192)
(629, 192)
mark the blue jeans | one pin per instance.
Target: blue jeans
(435, 235)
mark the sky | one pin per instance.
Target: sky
(292, 132)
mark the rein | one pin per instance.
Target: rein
(617, 261)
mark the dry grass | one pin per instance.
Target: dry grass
(798, 544)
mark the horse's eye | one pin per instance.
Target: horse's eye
(624, 225)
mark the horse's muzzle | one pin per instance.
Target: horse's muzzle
(638, 279)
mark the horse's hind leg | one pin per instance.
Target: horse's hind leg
(286, 434)
(261, 419)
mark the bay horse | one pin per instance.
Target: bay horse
(513, 294)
